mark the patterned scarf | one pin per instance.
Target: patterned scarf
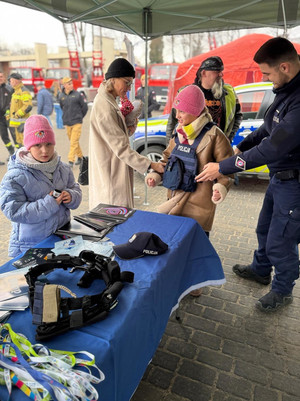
(24, 156)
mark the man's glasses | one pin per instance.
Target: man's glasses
(128, 83)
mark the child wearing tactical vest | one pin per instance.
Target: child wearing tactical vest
(38, 190)
(197, 141)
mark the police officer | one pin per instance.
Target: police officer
(276, 143)
(152, 103)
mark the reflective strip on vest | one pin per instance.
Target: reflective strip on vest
(24, 97)
(230, 103)
(15, 122)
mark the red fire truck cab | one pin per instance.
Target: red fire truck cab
(160, 77)
(57, 73)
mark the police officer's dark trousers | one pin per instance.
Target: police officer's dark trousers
(278, 234)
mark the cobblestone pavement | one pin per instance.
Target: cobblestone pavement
(222, 349)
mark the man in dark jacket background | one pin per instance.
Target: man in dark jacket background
(74, 109)
(152, 103)
(275, 143)
(44, 102)
(5, 98)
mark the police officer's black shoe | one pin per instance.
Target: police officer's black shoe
(79, 160)
(71, 164)
(273, 301)
(246, 272)
(2, 163)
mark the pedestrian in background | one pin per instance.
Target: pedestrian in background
(5, 98)
(56, 91)
(44, 102)
(20, 107)
(111, 159)
(140, 95)
(275, 143)
(74, 109)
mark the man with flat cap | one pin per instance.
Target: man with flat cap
(220, 98)
(20, 107)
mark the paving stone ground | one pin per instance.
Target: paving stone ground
(222, 348)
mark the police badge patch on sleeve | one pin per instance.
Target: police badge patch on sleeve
(240, 163)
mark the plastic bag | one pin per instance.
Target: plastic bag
(83, 177)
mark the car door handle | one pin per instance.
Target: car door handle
(245, 133)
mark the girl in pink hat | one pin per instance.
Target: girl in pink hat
(186, 197)
(38, 190)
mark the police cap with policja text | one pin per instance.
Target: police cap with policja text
(141, 244)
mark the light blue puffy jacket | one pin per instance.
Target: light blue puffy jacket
(25, 200)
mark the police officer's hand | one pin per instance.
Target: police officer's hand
(209, 173)
(237, 151)
(158, 166)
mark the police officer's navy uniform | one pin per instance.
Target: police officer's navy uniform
(277, 144)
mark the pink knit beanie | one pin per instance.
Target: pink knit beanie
(190, 100)
(37, 130)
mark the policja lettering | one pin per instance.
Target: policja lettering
(184, 148)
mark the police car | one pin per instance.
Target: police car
(254, 98)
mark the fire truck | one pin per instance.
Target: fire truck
(160, 77)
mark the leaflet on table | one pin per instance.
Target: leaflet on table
(4, 315)
(17, 303)
(13, 284)
(32, 257)
(95, 222)
(112, 212)
(73, 246)
(74, 228)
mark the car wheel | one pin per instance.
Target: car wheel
(154, 153)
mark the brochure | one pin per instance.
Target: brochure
(13, 284)
(32, 257)
(74, 228)
(112, 212)
(95, 222)
(17, 303)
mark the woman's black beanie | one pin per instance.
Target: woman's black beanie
(119, 68)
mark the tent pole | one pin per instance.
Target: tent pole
(284, 18)
(145, 15)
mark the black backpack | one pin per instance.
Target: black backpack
(182, 164)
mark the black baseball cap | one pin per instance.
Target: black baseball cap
(141, 244)
(16, 75)
(214, 63)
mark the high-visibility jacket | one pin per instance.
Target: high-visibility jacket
(20, 106)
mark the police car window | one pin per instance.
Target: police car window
(250, 103)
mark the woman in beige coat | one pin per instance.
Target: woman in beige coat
(192, 116)
(111, 160)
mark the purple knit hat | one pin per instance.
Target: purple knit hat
(37, 130)
(190, 100)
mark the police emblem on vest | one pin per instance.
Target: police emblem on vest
(182, 164)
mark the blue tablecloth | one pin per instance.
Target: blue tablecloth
(125, 342)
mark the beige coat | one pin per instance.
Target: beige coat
(111, 160)
(213, 147)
